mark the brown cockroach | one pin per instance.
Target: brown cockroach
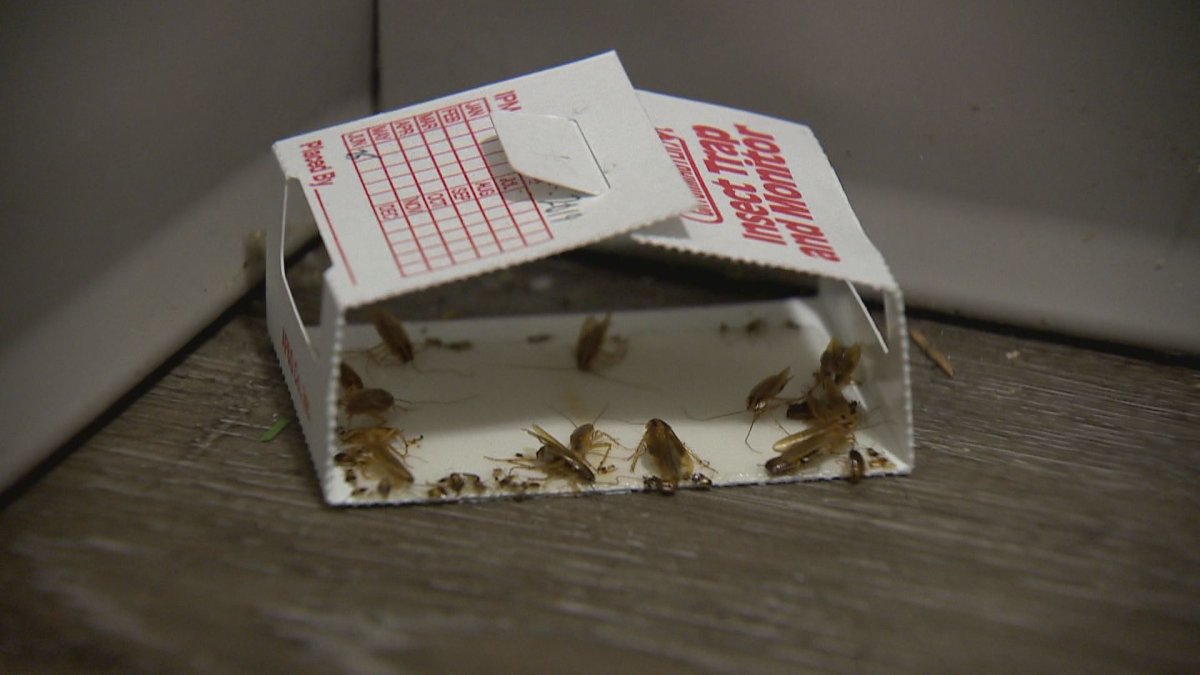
(370, 453)
(555, 459)
(365, 436)
(767, 391)
(591, 338)
(831, 437)
(391, 331)
(589, 346)
(751, 327)
(858, 467)
(508, 482)
(760, 399)
(838, 362)
(672, 460)
(373, 402)
(824, 400)
(586, 439)
(456, 483)
(348, 378)
(558, 460)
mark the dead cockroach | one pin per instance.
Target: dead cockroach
(587, 439)
(374, 403)
(838, 362)
(460, 481)
(364, 436)
(763, 395)
(395, 338)
(508, 482)
(824, 400)
(456, 483)
(858, 467)
(831, 437)
(672, 460)
(348, 378)
(767, 391)
(557, 460)
(371, 454)
(751, 327)
(760, 399)
(455, 346)
(384, 462)
(589, 346)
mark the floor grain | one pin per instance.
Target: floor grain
(1052, 522)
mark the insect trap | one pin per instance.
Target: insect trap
(396, 411)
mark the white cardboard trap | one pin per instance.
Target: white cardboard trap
(544, 163)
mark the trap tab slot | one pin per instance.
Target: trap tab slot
(550, 148)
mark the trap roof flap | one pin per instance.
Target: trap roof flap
(483, 179)
(765, 193)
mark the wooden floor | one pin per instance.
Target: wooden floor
(1052, 523)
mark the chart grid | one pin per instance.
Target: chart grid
(442, 189)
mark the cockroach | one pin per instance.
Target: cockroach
(391, 331)
(763, 395)
(858, 467)
(766, 391)
(760, 399)
(348, 378)
(456, 483)
(371, 454)
(366, 436)
(538, 338)
(828, 438)
(553, 459)
(586, 439)
(838, 362)
(455, 346)
(824, 400)
(751, 327)
(672, 460)
(374, 403)
(590, 343)
(508, 482)
(556, 459)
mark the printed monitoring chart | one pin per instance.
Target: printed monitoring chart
(480, 180)
(442, 189)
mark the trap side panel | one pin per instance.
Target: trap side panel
(470, 404)
(883, 370)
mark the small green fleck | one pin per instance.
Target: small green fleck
(279, 426)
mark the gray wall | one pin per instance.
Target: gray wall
(136, 140)
(1027, 161)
